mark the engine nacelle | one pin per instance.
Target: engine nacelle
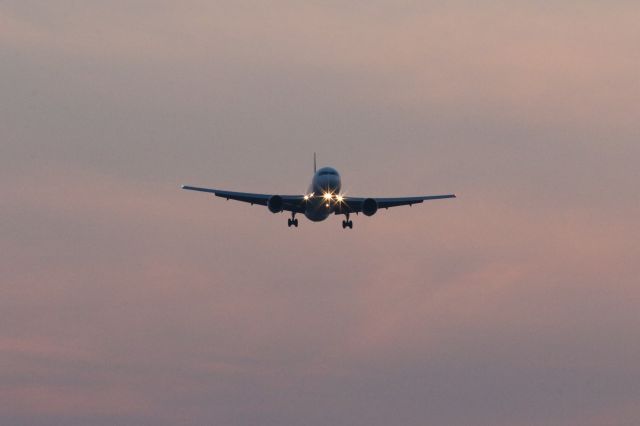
(275, 204)
(369, 207)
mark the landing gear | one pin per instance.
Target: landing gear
(347, 223)
(293, 221)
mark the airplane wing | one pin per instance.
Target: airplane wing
(290, 202)
(370, 205)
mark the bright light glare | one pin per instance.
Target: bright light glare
(306, 197)
(339, 198)
(327, 195)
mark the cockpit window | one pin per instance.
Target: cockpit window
(327, 172)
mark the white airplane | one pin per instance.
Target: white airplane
(323, 199)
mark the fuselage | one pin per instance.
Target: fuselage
(323, 193)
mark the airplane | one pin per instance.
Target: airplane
(323, 198)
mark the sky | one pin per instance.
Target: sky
(124, 300)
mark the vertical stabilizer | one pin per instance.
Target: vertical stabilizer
(315, 166)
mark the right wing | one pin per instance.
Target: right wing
(292, 203)
(357, 204)
(385, 203)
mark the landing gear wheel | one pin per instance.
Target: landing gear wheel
(347, 224)
(295, 222)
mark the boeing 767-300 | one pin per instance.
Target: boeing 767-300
(323, 199)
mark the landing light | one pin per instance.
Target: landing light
(339, 198)
(327, 195)
(306, 197)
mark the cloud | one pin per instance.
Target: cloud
(516, 291)
(127, 300)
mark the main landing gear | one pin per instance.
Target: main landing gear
(293, 221)
(347, 223)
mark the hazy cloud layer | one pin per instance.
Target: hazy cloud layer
(127, 301)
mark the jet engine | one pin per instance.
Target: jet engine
(369, 207)
(275, 204)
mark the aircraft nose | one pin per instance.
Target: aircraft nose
(333, 183)
(327, 183)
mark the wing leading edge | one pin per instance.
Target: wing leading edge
(291, 202)
(355, 204)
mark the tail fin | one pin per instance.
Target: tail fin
(315, 168)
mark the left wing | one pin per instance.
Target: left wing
(290, 202)
(357, 205)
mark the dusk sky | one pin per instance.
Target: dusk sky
(127, 301)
